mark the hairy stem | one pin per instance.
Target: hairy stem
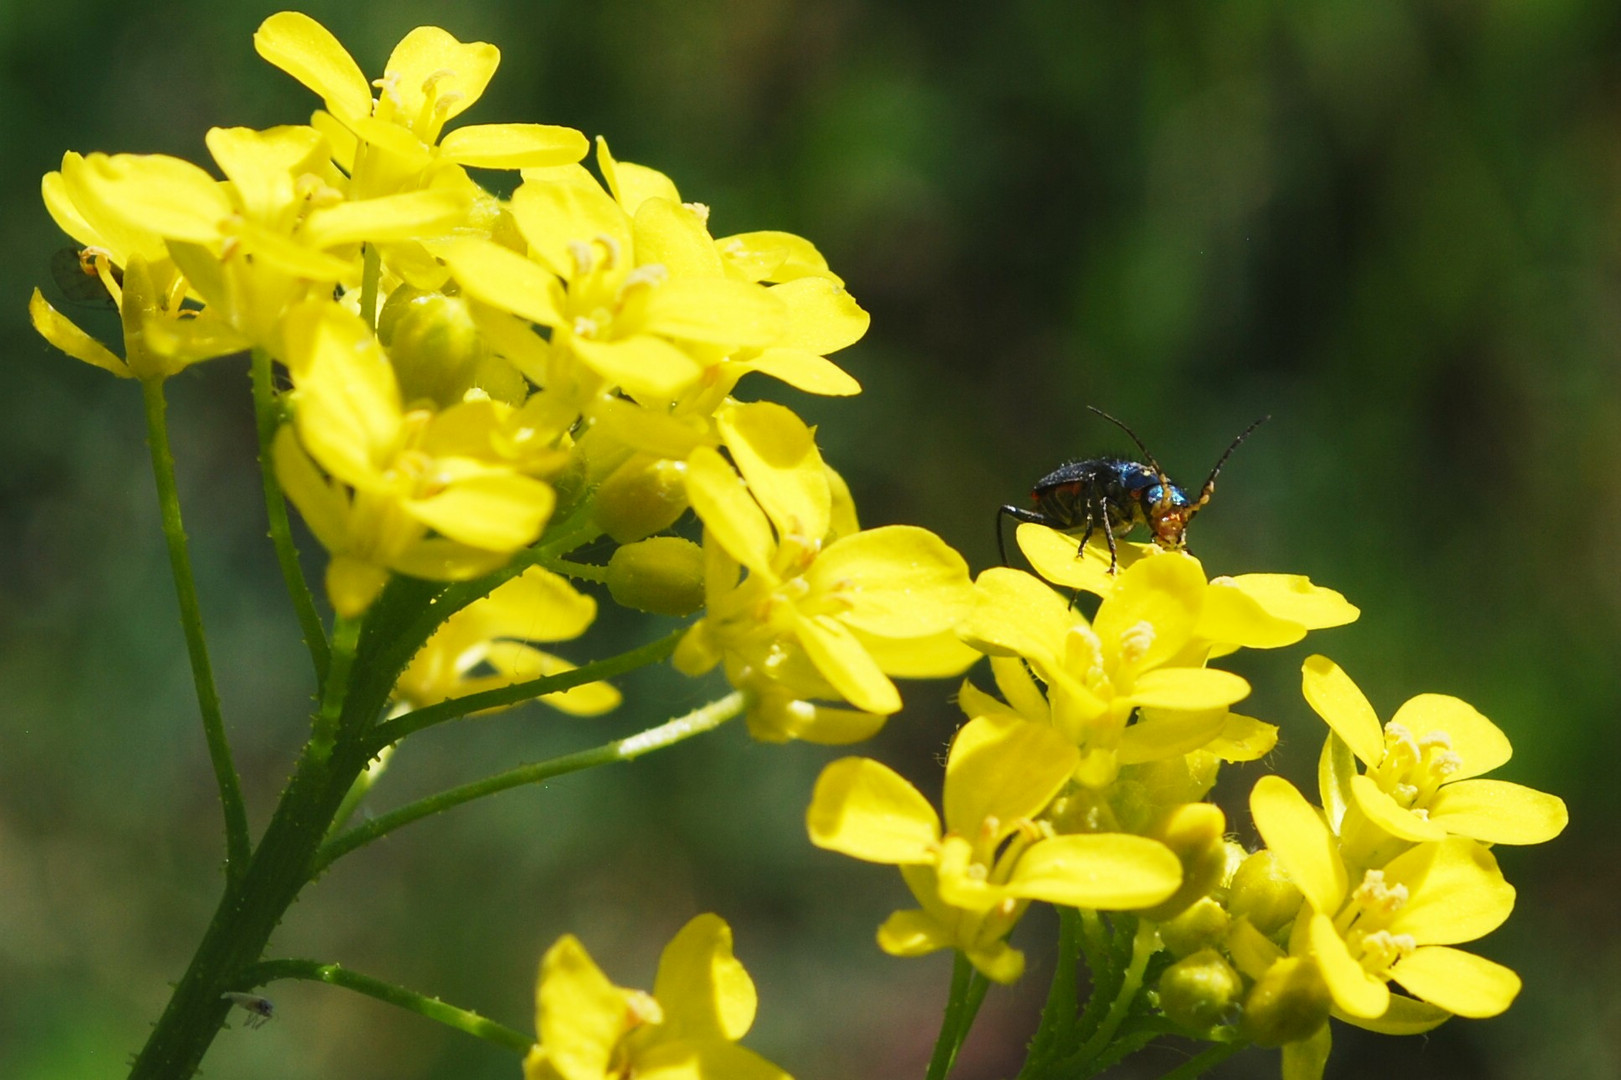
(237, 844)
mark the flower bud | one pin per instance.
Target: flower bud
(1193, 831)
(1200, 990)
(643, 496)
(663, 575)
(1286, 1004)
(1261, 890)
(1201, 926)
(433, 344)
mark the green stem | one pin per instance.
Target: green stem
(579, 571)
(371, 270)
(237, 844)
(962, 1005)
(345, 639)
(392, 731)
(266, 413)
(359, 790)
(1143, 946)
(700, 720)
(434, 1009)
(1059, 1014)
(1195, 1067)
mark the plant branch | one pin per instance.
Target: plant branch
(237, 845)
(335, 975)
(700, 720)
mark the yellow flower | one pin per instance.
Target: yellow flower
(1394, 922)
(410, 472)
(975, 879)
(1423, 766)
(492, 632)
(702, 1003)
(1134, 657)
(816, 616)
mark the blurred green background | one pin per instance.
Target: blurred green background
(1395, 227)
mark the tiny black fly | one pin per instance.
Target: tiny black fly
(79, 278)
(1116, 495)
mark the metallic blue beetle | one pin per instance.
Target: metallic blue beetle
(1116, 495)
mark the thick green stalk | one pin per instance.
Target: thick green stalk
(434, 1009)
(962, 1005)
(281, 532)
(705, 718)
(1059, 1014)
(237, 844)
(1143, 946)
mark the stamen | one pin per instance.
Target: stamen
(648, 274)
(584, 258)
(699, 209)
(1373, 895)
(1381, 949)
(1135, 641)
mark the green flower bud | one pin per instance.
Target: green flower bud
(434, 345)
(1193, 831)
(1201, 926)
(1287, 1004)
(1262, 891)
(1199, 991)
(664, 575)
(643, 496)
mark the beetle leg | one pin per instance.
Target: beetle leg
(1017, 513)
(1108, 532)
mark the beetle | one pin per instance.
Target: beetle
(1116, 495)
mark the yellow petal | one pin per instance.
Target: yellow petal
(323, 504)
(1334, 697)
(55, 328)
(701, 985)
(430, 60)
(1390, 816)
(913, 932)
(1355, 991)
(822, 316)
(1457, 981)
(1243, 738)
(515, 662)
(498, 511)
(1164, 733)
(1061, 560)
(1100, 871)
(348, 403)
(1003, 769)
(633, 184)
(307, 51)
(715, 311)
(1405, 1016)
(674, 237)
(513, 146)
(78, 201)
(932, 656)
(537, 605)
(1295, 598)
(1498, 812)
(975, 702)
(1019, 688)
(806, 371)
(647, 367)
(1188, 688)
(1164, 592)
(1335, 767)
(504, 279)
(842, 661)
(439, 559)
(553, 215)
(172, 198)
(352, 583)
(729, 513)
(579, 1014)
(1309, 853)
(896, 580)
(1232, 616)
(262, 164)
(1455, 891)
(867, 811)
(776, 453)
(390, 217)
(1016, 614)
(1478, 742)
(774, 256)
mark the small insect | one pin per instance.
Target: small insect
(1116, 495)
(260, 1009)
(79, 278)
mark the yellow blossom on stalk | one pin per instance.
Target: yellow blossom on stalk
(1423, 768)
(1132, 658)
(402, 490)
(494, 633)
(1394, 922)
(1252, 611)
(975, 879)
(702, 1003)
(818, 616)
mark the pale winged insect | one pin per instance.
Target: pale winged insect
(260, 1010)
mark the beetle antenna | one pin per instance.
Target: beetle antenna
(1121, 424)
(1210, 483)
